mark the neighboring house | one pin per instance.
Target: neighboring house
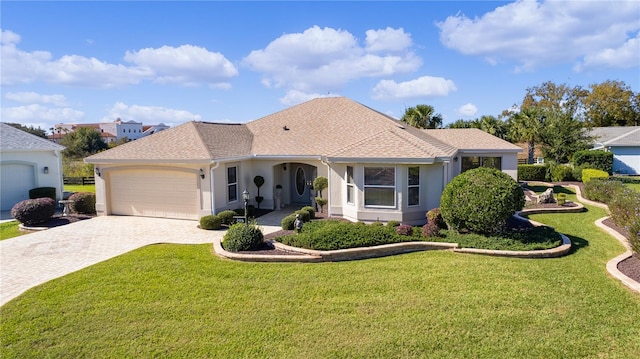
(27, 161)
(624, 143)
(377, 167)
(110, 131)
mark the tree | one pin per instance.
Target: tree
(422, 116)
(488, 124)
(555, 98)
(561, 137)
(32, 130)
(526, 126)
(612, 103)
(81, 143)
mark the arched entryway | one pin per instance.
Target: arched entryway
(301, 180)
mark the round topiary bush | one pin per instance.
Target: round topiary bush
(430, 229)
(404, 230)
(227, 217)
(34, 211)
(435, 216)
(83, 202)
(242, 237)
(287, 222)
(311, 210)
(305, 216)
(210, 222)
(480, 200)
(40, 192)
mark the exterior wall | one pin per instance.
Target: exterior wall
(626, 160)
(509, 162)
(37, 160)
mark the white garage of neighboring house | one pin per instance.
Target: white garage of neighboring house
(27, 161)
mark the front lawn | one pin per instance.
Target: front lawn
(183, 301)
(10, 230)
(80, 188)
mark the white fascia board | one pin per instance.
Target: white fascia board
(158, 161)
(287, 157)
(427, 161)
(482, 151)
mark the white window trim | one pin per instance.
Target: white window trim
(231, 184)
(365, 186)
(413, 186)
(350, 185)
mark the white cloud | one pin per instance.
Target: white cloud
(186, 64)
(468, 110)
(320, 60)
(388, 39)
(294, 97)
(41, 115)
(625, 56)
(425, 86)
(149, 114)
(536, 33)
(32, 97)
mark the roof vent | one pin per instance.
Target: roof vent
(285, 128)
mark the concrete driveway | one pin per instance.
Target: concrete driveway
(36, 258)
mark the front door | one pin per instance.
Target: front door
(302, 178)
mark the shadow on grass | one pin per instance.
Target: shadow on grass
(577, 243)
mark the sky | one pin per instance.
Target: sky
(173, 62)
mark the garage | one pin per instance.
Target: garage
(161, 193)
(17, 180)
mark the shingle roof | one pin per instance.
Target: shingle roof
(13, 139)
(472, 139)
(617, 136)
(334, 128)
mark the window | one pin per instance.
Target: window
(476, 161)
(413, 177)
(350, 199)
(232, 184)
(380, 186)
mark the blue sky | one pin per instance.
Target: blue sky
(172, 62)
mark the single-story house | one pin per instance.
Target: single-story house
(624, 143)
(27, 161)
(377, 167)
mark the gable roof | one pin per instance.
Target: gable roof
(13, 140)
(616, 136)
(472, 139)
(334, 128)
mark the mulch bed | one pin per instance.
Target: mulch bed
(59, 220)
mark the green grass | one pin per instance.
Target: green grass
(634, 186)
(10, 230)
(183, 301)
(80, 188)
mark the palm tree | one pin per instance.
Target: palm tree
(526, 126)
(422, 116)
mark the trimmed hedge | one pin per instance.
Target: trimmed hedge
(211, 222)
(305, 216)
(40, 192)
(532, 172)
(590, 173)
(83, 202)
(480, 200)
(311, 210)
(242, 237)
(560, 173)
(34, 211)
(227, 217)
(598, 159)
(288, 222)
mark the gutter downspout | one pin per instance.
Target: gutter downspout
(212, 188)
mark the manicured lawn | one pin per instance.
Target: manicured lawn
(183, 301)
(80, 188)
(635, 186)
(10, 230)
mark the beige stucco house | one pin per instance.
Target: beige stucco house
(377, 167)
(26, 162)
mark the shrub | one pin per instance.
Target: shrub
(377, 224)
(481, 200)
(577, 171)
(560, 173)
(304, 215)
(602, 190)
(624, 206)
(562, 199)
(634, 238)
(83, 202)
(226, 217)
(40, 192)
(210, 222)
(34, 211)
(589, 173)
(311, 210)
(242, 237)
(532, 172)
(435, 216)
(321, 202)
(431, 229)
(287, 222)
(404, 230)
(393, 223)
(598, 159)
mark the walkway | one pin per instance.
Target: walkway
(36, 258)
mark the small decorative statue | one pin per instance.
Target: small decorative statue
(298, 224)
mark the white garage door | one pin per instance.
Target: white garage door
(17, 180)
(154, 193)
